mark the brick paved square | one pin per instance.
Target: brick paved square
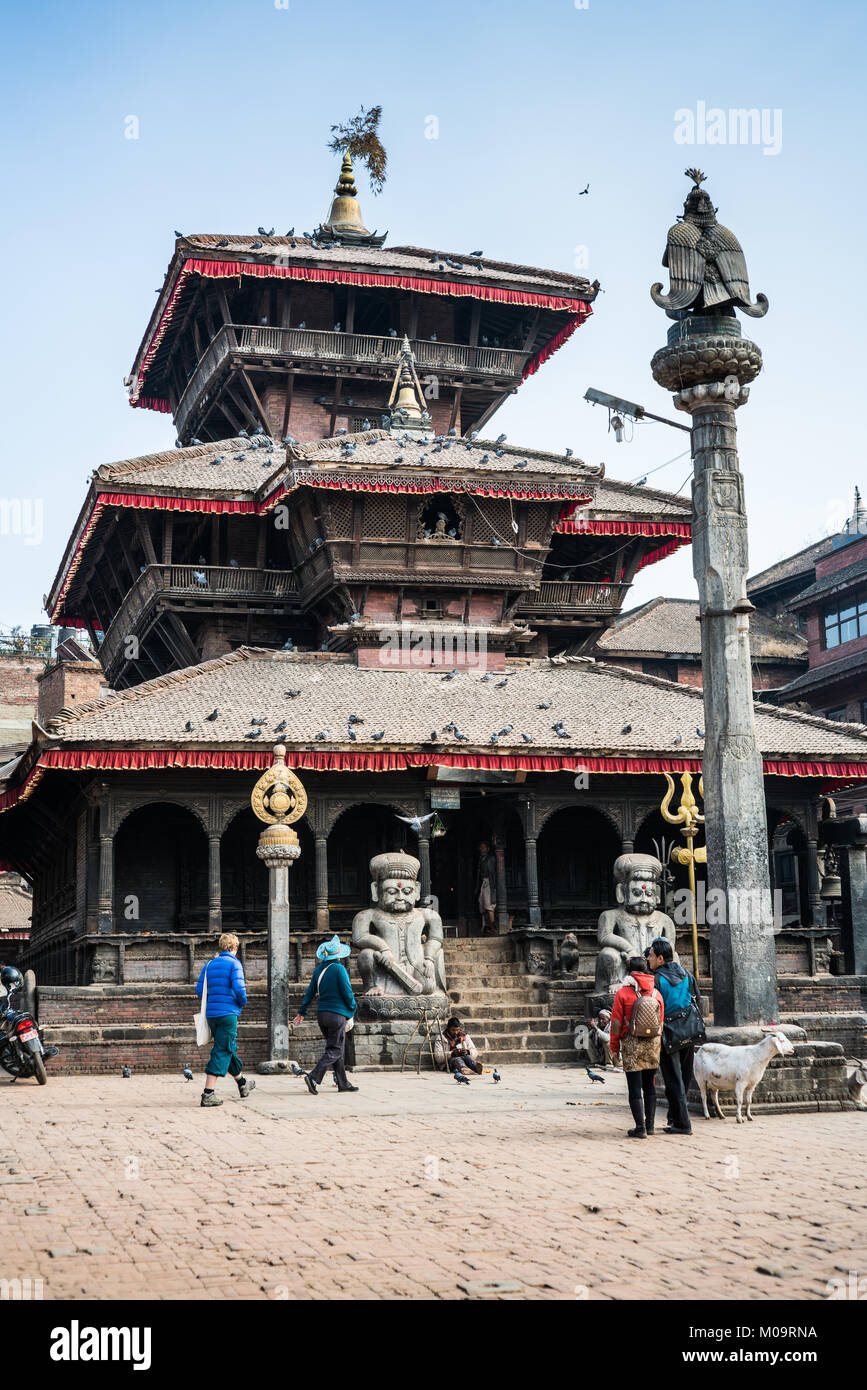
(417, 1188)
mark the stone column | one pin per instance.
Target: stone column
(278, 848)
(707, 363)
(534, 912)
(215, 911)
(321, 913)
(105, 914)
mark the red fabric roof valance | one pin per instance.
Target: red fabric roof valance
(346, 760)
(578, 308)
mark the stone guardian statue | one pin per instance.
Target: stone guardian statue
(628, 929)
(399, 944)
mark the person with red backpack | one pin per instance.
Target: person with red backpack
(636, 1032)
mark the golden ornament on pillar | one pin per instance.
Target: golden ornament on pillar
(279, 798)
(345, 214)
(689, 820)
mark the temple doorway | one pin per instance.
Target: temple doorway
(576, 852)
(454, 859)
(161, 871)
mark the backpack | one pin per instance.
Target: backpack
(645, 1021)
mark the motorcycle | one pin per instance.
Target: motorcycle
(22, 1053)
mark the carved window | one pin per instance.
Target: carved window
(441, 519)
(384, 517)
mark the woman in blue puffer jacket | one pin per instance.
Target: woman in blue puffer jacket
(227, 995)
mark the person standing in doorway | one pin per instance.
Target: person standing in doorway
(486, 887)
(331, 986)
(227, 995)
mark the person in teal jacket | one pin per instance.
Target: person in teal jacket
(336, 1005)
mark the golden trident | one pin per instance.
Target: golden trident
(689, 820)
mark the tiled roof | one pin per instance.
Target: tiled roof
(16, 905)
(418, 260)
(667, 626)
(824, 674)
(246, 464)
(803, 562)
(594, 701)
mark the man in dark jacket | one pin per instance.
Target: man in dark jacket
(677, 988)
(227, 995)
(335, 1006)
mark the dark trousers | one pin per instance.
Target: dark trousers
(333, 1029)
(676, 1076)
(642, 1097)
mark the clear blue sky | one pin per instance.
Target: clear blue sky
(234, 100)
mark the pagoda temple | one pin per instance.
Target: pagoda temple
(342, 554)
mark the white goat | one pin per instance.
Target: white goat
(739, 1069)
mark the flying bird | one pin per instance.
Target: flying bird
(416, 822)
(583, 191)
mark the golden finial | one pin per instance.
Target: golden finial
(406, 400)
(278, 797)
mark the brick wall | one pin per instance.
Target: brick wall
(18, 699)
(65, 684)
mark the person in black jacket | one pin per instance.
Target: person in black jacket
(678, 988)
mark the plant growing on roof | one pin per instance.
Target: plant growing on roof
(359, 138)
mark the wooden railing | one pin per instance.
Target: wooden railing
(559, 596)
(180, 581)
(325, 345)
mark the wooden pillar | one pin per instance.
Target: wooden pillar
(321, 915)
(818, 911)
(534, 912)
(215, 907)
(502, 905)
(424, 860)
(105, 915)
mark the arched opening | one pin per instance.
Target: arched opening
(789, 871)
(576, 853)
(357, 836)
(244, 878)
(455, 862)
(161, 871)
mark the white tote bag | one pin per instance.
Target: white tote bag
(200, 1020)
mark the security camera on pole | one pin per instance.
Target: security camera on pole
(707, 365)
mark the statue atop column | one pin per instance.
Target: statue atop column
(399, 944)
(628, 929)
(705, 262)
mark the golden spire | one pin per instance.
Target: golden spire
(406, 399)
(345, 214)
